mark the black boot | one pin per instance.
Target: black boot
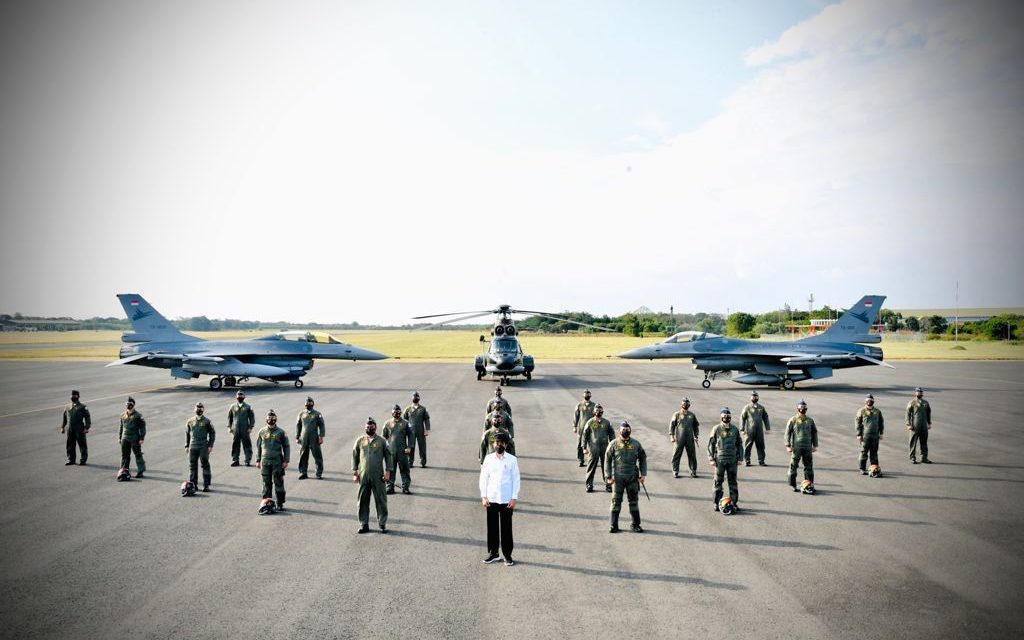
(636, 522)
(717, 499)
(614, 528)
(792, 481)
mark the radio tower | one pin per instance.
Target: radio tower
(810, 304)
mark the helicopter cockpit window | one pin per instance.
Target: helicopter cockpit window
(505, 345)
(690, 336)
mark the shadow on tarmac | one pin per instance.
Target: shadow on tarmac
(783, 544)
(631, 575)
(430, 537)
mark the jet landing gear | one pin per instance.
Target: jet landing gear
(299, 384)
(788, 384)
(226, 381)
(708, 377)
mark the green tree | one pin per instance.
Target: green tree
(630, 325)
(912, 323)
(935, 325)
(739, 323)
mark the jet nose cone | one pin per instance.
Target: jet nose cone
(636, 354)
(366, 354)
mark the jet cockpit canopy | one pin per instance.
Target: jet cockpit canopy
(690, 336)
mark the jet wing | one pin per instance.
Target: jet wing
(152, 355)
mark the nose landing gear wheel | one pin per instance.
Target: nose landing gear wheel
(787, 384)
(216, 383)
(706, 384)
(298, 384)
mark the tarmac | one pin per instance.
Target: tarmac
(925, 551)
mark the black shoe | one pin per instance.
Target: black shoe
(280, 507)
(491, 558)
(693, 474)
(364, 529)
(248, 464)
(140, 474)
(590, 489)
(863, 471)
(716, 507)
(406, 491)
(509, 562)
(748, 463)
(206, 489)
(82, 463)
(613, 529)
(582, 464)
(608, 488)
(235, 464)
(390, 491)
(913, 461)
(735, 508)
(923, 461)
(423, 465)
(637, 528)
(69, 463)
(675, 474)
(761, 463)
(302, 476)
(796, 489)
(319, 476)
(383, 528)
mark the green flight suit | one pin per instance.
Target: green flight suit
(370, 457)
(725, 448)
(241, 420)
(272, 452)
(400, 436)
(684, 429)
(487, 442)
(76, 422)
(802, 437)
(870, 427)
(625, 461)
(309, 428)
(499, 402)
(754, 422)
(199, 438)
(584, 412)
(418, 416)
(506, 423)
(919, 421)
(130, 435)
(596, 434)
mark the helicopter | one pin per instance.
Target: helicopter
(503, 356)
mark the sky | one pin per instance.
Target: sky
(370, 162)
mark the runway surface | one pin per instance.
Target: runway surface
(927, 551)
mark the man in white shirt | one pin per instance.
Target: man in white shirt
(499, 491)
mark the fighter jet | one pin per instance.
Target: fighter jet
(778, 363)
(286, 355)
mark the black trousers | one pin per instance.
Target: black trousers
(499, 526)
(77, 437)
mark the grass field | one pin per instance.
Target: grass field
(455, 346)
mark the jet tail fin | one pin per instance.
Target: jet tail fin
(854, 325)
(148, 323)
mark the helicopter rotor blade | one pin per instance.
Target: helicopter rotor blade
(443, 322)
(564, 319)
(454, 313)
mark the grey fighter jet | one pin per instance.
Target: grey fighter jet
(286, 355)
(778, 363)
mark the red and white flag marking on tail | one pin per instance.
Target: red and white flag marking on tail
(867, 303)
(133, 302)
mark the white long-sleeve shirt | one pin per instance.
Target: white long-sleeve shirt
(499, 478)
